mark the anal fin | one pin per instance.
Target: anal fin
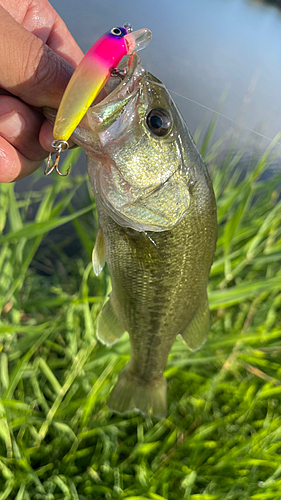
(196, 332)
(98, 256)
(109, 329)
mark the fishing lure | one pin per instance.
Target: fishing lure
(96, 67)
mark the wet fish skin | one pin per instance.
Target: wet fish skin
(158, 229)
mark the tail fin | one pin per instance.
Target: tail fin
(134, 393)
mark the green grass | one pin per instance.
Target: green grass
(222, 437)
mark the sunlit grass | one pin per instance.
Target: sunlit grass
(222, 437)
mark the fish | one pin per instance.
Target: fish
(157, 230)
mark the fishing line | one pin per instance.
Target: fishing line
(223, 116)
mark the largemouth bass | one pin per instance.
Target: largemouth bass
(157, 231)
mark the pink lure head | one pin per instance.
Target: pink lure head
(110, 48)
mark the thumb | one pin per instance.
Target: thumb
(29, 68)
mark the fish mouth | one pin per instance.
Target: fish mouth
(124, 81)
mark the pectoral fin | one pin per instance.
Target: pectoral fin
(98, 256)
(196, 332)
(109, 329)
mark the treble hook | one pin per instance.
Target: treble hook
(59, 146)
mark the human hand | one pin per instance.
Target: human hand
(37, 57)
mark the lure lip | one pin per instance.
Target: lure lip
(137, 40)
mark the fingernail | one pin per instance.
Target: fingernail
(11, 125)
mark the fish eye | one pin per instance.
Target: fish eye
(159, 122)
(116, 31)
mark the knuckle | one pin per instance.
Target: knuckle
(40, 70)
(47, 68)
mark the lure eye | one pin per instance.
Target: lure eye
(159, 122)
(116, 31)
